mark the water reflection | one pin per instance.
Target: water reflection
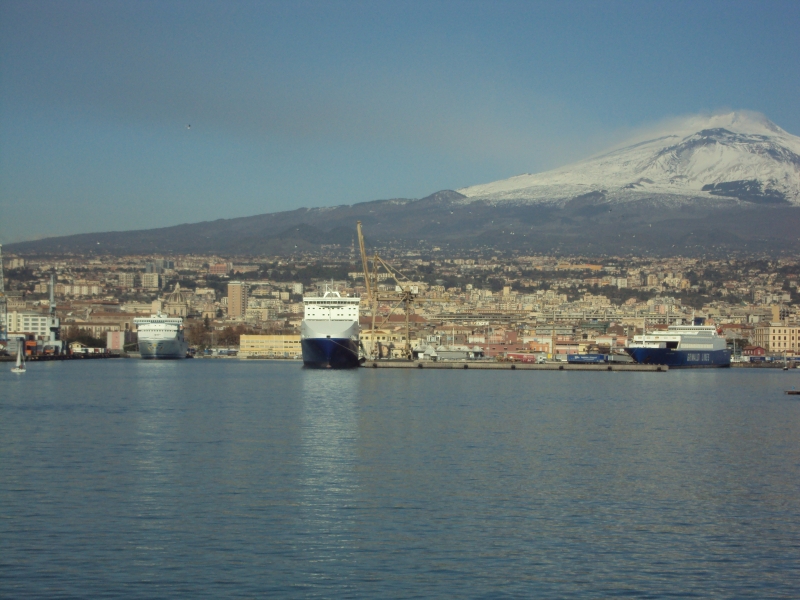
(328, 453)
(155, 404)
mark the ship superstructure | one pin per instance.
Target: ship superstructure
(329, 333)
(695, 345)
(161, 336)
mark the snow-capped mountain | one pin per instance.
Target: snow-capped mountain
(735, 157)
(705, 186)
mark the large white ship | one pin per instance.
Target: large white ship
(329, 333)
(161, 336)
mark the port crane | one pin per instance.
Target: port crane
(405, 294)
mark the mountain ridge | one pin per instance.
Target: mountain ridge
(737, 186)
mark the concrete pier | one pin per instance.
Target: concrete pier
(508, 366)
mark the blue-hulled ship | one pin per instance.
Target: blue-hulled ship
(329, 333)
(695, 345)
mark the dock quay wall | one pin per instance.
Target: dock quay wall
(49, 357)
(504, 366)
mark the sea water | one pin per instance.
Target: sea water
(236, 478)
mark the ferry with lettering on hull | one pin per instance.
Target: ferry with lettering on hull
(695, 345)
(329, 333)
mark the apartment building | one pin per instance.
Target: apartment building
(220, 268)
(778, 337)
(150, 281)
(26, 322)
(270, 346)
(237, 300)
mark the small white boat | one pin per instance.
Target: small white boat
(20, 368)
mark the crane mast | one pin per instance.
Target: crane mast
(364, 259)
(405, 293)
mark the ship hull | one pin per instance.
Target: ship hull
(676, 359)
(330, 353)
(163, 349)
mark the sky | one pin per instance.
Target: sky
(133, 115)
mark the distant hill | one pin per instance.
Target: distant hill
(710, 185)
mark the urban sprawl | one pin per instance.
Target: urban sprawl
(501, 304)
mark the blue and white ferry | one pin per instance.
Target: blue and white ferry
(695, 345)
(329, 333)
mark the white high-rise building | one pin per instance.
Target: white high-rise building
(27, 322)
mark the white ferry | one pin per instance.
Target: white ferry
(161, 336)
(329, 333)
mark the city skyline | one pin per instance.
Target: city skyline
(474, 292)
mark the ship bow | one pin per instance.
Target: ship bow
(329, 353)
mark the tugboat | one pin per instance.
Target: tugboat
(695, 345)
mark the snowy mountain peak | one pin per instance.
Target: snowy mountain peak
(738, 157)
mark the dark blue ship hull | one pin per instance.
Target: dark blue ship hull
(329, 353)
(680, 358)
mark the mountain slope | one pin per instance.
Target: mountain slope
(708, 185)
(737, 156)
(585, 225)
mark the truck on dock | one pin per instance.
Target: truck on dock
(587, 359)
(596, 359)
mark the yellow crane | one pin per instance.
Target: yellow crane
(405, 293)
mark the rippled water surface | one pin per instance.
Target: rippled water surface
(212, 478)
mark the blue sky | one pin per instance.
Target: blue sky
(322, 103)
